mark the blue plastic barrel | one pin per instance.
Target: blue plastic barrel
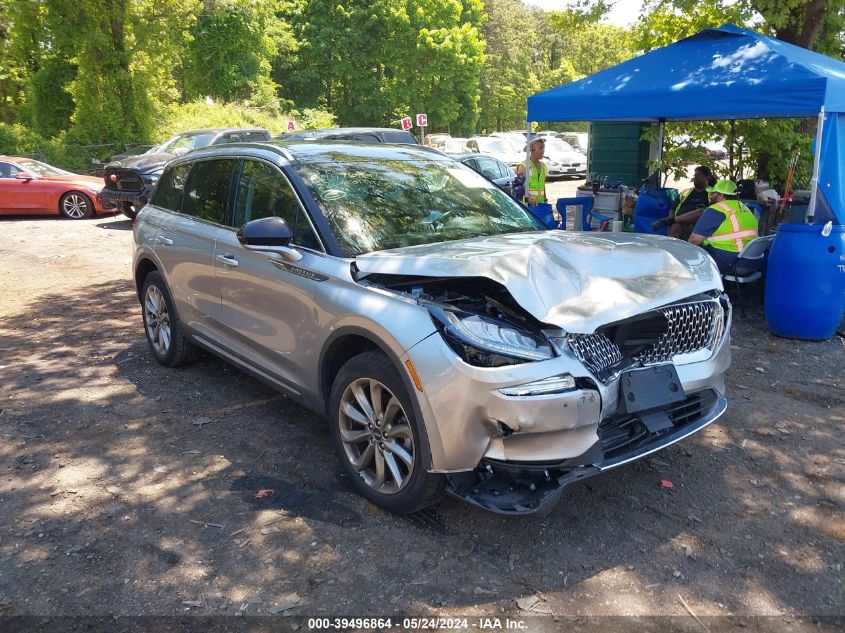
(805, 282)
(653, 204)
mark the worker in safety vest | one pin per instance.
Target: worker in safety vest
(535, 186)
(690, 205)
(725, 227)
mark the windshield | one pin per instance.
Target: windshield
(373, 205)
(41, 169)
(495, 145)
(187, 142)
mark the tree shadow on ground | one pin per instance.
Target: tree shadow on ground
(130, 488)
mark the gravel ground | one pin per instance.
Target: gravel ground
(128, 489)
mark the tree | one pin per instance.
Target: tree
(509, 74)
(591, 48)
(766, 145)
(229, 55)
(371, 62)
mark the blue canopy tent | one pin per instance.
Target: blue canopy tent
(720, 74)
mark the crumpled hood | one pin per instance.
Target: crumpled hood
(144, 163)
(576, 281)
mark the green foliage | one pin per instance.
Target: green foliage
(199, 114)
(593, 47)
(229, 54)
(374, 62)
(50, 105)
(759, 147)
(509, 76)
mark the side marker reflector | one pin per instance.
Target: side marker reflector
(414, 375)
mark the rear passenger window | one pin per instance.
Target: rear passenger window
(366, 138)
(399, 137)
(263, 191)
(207, 191)
(168, 192)
(256, 136)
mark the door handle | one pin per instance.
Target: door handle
(164, 240)
(227, 260)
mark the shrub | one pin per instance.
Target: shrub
(200, 114)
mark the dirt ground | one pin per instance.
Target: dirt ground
(128, 489)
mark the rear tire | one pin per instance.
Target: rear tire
(383, 447)
(167, 341)
(75, 205)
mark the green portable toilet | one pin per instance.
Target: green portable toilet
(617, 152)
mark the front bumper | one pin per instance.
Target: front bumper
(135, 197)
(562, 438)
(526, 488)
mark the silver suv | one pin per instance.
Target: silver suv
(449, 340)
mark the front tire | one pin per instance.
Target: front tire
(162, 326)
(382, 445)
(76, 206)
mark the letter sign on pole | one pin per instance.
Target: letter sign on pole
(422, 120)
(406, 123)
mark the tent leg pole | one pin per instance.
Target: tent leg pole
(527, 171)
(660, 131)
(814, 182)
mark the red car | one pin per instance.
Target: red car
(30, 187)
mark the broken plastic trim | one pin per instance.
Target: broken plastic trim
(524, 488)
(544, 387)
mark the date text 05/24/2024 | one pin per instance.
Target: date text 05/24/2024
(485, 624)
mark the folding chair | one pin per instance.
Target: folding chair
(748, 266)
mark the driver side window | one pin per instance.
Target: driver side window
(8, 170)
(263, 192)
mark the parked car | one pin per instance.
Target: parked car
(563, 160)
(129, 182)
(438, 140)
(30, 187)
(580, 141)
(455, 145)
(491, 168)
(363, 134)
(449, 340)
(502, 149)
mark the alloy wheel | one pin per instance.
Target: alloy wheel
(157, 320)
(377, 437)
(75, 206)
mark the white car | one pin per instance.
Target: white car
(500, 148)
(563, 160)
(454, 145)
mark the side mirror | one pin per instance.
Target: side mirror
(22, 175)
(269, 235)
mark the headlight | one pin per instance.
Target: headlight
(487, 343)
(152, 178)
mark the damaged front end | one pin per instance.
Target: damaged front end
(520, 408)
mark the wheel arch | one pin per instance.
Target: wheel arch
(346, 343)
(350, 341)
(143, 267)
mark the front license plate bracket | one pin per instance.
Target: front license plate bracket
(650, 388)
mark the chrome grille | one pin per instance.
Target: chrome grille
(659, 336)
(691, 327)
(596, 351)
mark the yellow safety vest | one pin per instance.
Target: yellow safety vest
(737, 230)
(536, 185)
(683, 198)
